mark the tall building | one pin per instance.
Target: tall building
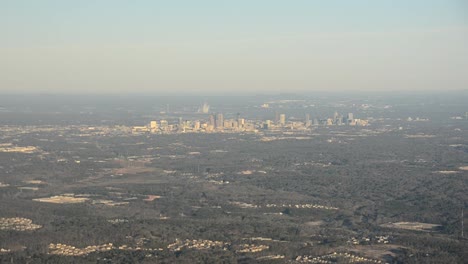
(241, 122)
(219, 120)
(204, 109)
(335, 116)
(282, 119)
(196, 125)
(212, 121)
(339, 121)
(153, 124)
(307, 120)
(181, 126)
(350, 118)
(227, 124)
(239, 119)
(164, 125)
(316, 122)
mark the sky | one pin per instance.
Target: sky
(230, 47)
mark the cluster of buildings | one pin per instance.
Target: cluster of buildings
(9, 147)
(218, 123)
(214, 123)
(336, 257)
(18, 224)
(251, 248)
(198, 244)
(67, 250)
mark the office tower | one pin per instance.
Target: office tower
(153, 125)
(335, 116)
(307, 120)
(212, 121)
(316, 122)
(282, 119)
(339, 120)
(227, 124)
(267, 124)
(219, 121)
(196, 125)
(350, 118)
(241, 123)
(204, 109)
(164, 125)
(181, 126)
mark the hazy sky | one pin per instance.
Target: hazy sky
(217, 46)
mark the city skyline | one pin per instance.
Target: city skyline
(216, 122)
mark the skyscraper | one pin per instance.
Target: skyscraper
(282, 119)
(196, 125)
(212, 121)
(219, 120)
(204, 109)
(164, 125)
(350, 118)
(316, 122)
(335, 116)
(307, 120)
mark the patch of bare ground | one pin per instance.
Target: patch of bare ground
(376, 251)
(133, 170)
(416, 226)
(314, 223)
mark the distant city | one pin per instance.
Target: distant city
(217, 123)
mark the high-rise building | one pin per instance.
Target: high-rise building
(181, 126)
(212, 121)
(307, 120)
(241, 122)
(350, 118)
(335, 116)
(164, 125)
(204, 109)
(219, 120)
(339, 121)
(234, 124)
(227, 124)
(153, 124)
(238, 120)
(282, 119)
(196, 125)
